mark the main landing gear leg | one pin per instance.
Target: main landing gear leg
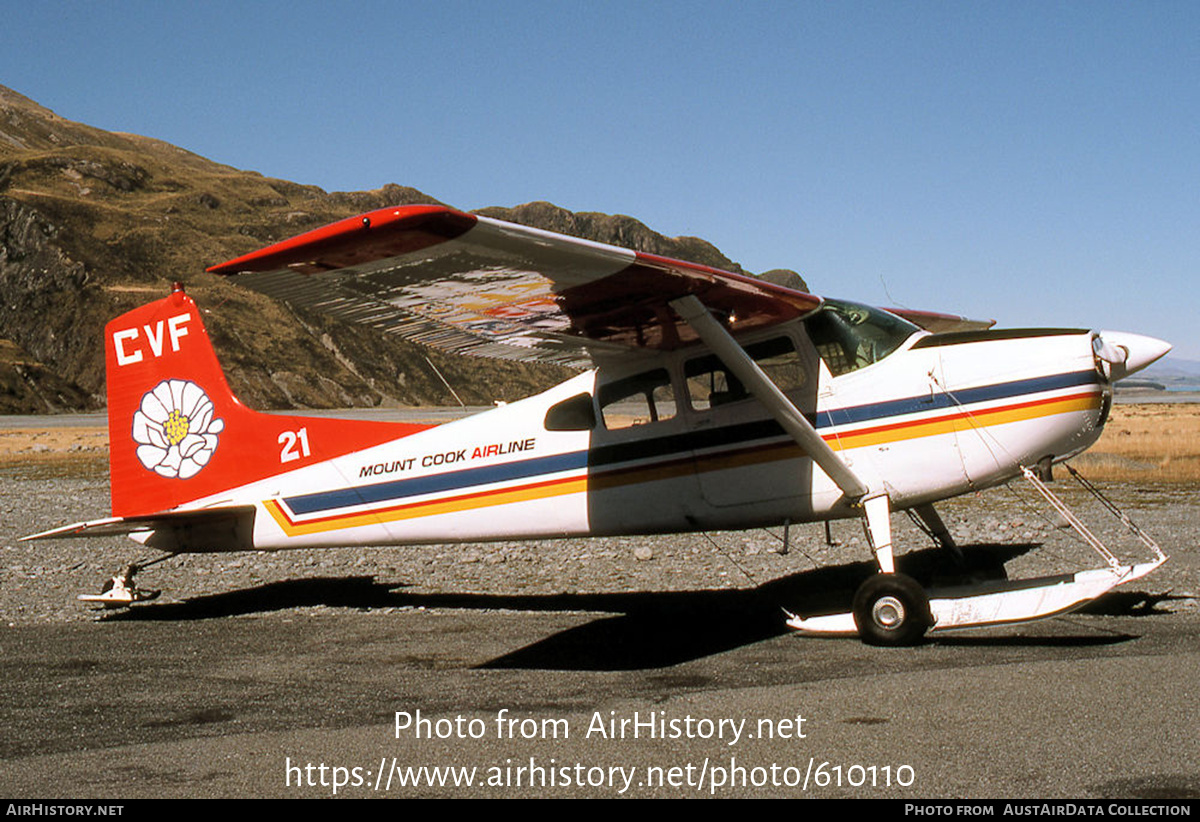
(889, 608)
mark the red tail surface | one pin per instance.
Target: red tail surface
(176, 431)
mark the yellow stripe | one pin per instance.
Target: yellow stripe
(963, 422)
(545, 490)
(900, 432)
(428, 509)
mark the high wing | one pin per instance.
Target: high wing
(474, 285)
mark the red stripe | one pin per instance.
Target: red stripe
(955, 416)
(623, 476)
(438, 501)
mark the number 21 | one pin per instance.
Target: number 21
(289, 440)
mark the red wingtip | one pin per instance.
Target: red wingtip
(386, 232)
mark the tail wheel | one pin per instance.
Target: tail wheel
(891, 609)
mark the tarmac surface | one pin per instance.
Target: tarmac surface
(637, 667)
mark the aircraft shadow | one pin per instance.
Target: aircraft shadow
(651, 629)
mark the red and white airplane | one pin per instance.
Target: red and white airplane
(711, 401)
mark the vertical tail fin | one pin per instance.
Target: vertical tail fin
(177, 434)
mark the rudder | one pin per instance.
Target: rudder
(177, 433)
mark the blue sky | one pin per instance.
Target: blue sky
(1037, 163)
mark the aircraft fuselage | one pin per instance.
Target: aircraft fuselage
(680, 445)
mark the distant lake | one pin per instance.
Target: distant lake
(1186, 393)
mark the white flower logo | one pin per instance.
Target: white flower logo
(175, 430)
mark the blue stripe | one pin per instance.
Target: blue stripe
(967, 396)
(449, 481)
(669, 447)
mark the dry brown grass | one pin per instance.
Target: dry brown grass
(1142, 442)
(1147, 442)
(52, 445)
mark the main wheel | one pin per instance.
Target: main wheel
(891, 609)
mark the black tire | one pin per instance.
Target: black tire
(891, 609)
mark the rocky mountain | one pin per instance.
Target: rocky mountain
(1175, 373)
(94, 223)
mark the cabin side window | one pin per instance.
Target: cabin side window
(849, 336)
(711, 384)
(638, 400)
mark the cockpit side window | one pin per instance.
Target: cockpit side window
(637, 400)
(849, 336)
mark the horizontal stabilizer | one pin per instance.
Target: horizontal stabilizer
(208, 529)
(107, 527)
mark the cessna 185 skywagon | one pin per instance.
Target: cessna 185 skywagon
(712, 401)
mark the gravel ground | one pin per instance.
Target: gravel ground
(41, 579)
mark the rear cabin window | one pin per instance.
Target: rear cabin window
(574, 414)
(711, 384)
(638, 400)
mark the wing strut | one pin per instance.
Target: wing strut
(761, 386)
(889, 608)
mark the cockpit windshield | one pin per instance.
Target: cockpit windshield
(849, 336)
